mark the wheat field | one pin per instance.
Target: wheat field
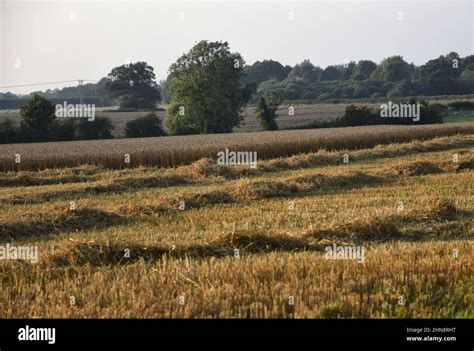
(181, 150)
(206, 240)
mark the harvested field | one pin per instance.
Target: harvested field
(238, 242)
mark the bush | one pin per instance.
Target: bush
(266, 113)
(8, 132)
(100, 128)
(36, 117)
(147, 126)
(63, 130)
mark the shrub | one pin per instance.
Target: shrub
(8, 132)
(100, 128)
(266, 113)
(63, 130)
(147, 126)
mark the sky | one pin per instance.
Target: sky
(54, 41)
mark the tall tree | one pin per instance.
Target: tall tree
(134, 86)
(206, 93)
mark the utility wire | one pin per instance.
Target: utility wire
(30, 85)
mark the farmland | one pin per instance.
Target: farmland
(206, 240)
(180, 150)
(304, 114)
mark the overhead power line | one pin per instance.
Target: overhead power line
(60, 82)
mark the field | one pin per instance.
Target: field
(303, 114)
(208, 240)
(180, 150)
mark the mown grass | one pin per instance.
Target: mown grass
(248, 240)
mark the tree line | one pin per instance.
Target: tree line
(208, 87)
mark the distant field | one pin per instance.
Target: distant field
(303, 114)
(179, 150)
(248, 242)
(459, 117)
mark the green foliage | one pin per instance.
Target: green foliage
(165, 90)
(99, 128)
(392, 78)
(36, 117)
(142, 127)
(461, 105)
(8, 132)
(361, 115)
(331, 73)
(364, 69)
(134, 86)
(265, 70)
(63, 130)
(266, 112)
(206, 93)
(392, 69)
(439, 76)
(305, 71)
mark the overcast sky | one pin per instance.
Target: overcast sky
(49, 41)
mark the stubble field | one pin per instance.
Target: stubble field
(204, 240)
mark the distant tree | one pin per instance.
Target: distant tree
(146, 126)
(36, 117)
(439, 76)
(348, 70)
(206, 91)
(402, 88)
(331, 73)
(364, 68)
(165, 90)
(134, 86)
(392, 69)
(306, 71)
(265, 70)
(265, 112)
(99, 128)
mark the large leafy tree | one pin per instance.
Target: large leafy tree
(36, 117)
(206, 93)
(393, 69)
(439, 76)
(134, 86)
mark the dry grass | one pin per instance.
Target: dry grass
(239, 249)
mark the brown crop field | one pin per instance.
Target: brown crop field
(181, 150)
(209, 240)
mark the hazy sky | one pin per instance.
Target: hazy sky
(49, 41)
